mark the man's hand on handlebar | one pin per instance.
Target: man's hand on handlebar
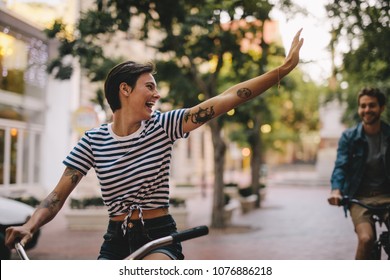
(335, 197)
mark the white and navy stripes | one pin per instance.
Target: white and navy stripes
(132, 170)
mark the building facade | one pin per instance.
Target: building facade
(34, 109)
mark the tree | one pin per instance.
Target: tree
(208, 43)
(200, 41)
(192, 54)
(363, 27)
(252, 114)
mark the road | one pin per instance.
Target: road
(294, 223)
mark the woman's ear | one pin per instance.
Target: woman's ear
(124, 89)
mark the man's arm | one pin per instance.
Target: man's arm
(47, 210)
(242, 92)
(339, 171)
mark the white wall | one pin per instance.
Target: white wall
(61, 100)
(330, 132)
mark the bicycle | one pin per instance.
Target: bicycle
(145, 249)
(381, 215)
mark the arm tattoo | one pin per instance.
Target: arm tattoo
(244, 93)
(50, 202)
(202, 116)
(73, 174)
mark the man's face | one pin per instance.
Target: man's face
(369, 110)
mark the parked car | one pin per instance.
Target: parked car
(14, 213)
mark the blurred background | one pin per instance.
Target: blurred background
(54, 56)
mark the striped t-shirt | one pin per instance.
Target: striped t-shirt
(132, 170)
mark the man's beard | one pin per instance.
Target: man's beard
(375, 118)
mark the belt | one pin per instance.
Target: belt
(146, 214)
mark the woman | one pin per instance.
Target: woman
(131, 157)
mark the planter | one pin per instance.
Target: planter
(262, 193)
(248, 203)
(87, 219)
(228, 212)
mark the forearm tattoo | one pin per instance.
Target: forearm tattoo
(50, 202)
(202, 116)
(73, 174)
(244, 93)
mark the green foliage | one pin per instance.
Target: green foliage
(250, 190)
(226, 198)
(177, 202)
(231, 185)
(86, 202)
(95, 22)
(366, 26)
(57, 27)
(245, 192)
(182, 92)
(30, 200)
(60, 71)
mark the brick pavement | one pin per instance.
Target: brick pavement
(294, 223)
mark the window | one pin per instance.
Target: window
(22, 64)
(20, 147)
(22, 107)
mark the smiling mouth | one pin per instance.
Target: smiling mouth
(369, 115)
(149, 104)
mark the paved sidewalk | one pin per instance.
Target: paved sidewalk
(293, 223)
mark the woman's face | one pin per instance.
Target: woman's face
(144, 96)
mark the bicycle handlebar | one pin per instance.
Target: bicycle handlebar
(144, 250)
(347, 200)
(21, 252)
(190, 233)
(175, 237)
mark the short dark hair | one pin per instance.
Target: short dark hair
(127, 72)
(373, 92)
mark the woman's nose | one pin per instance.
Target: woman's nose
(156, 94)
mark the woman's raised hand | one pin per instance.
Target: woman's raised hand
(292, 57)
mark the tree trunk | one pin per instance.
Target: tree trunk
(255, 142)
(255, 139)
(217, 220)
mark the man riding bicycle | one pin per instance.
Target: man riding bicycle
(362, 167)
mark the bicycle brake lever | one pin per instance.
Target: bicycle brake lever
(344, 202)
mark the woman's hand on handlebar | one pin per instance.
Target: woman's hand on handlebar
(17, 234)
(335, 197)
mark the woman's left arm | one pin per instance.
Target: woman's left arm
(242, 92)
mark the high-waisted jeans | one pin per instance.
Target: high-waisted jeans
(118, 246)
